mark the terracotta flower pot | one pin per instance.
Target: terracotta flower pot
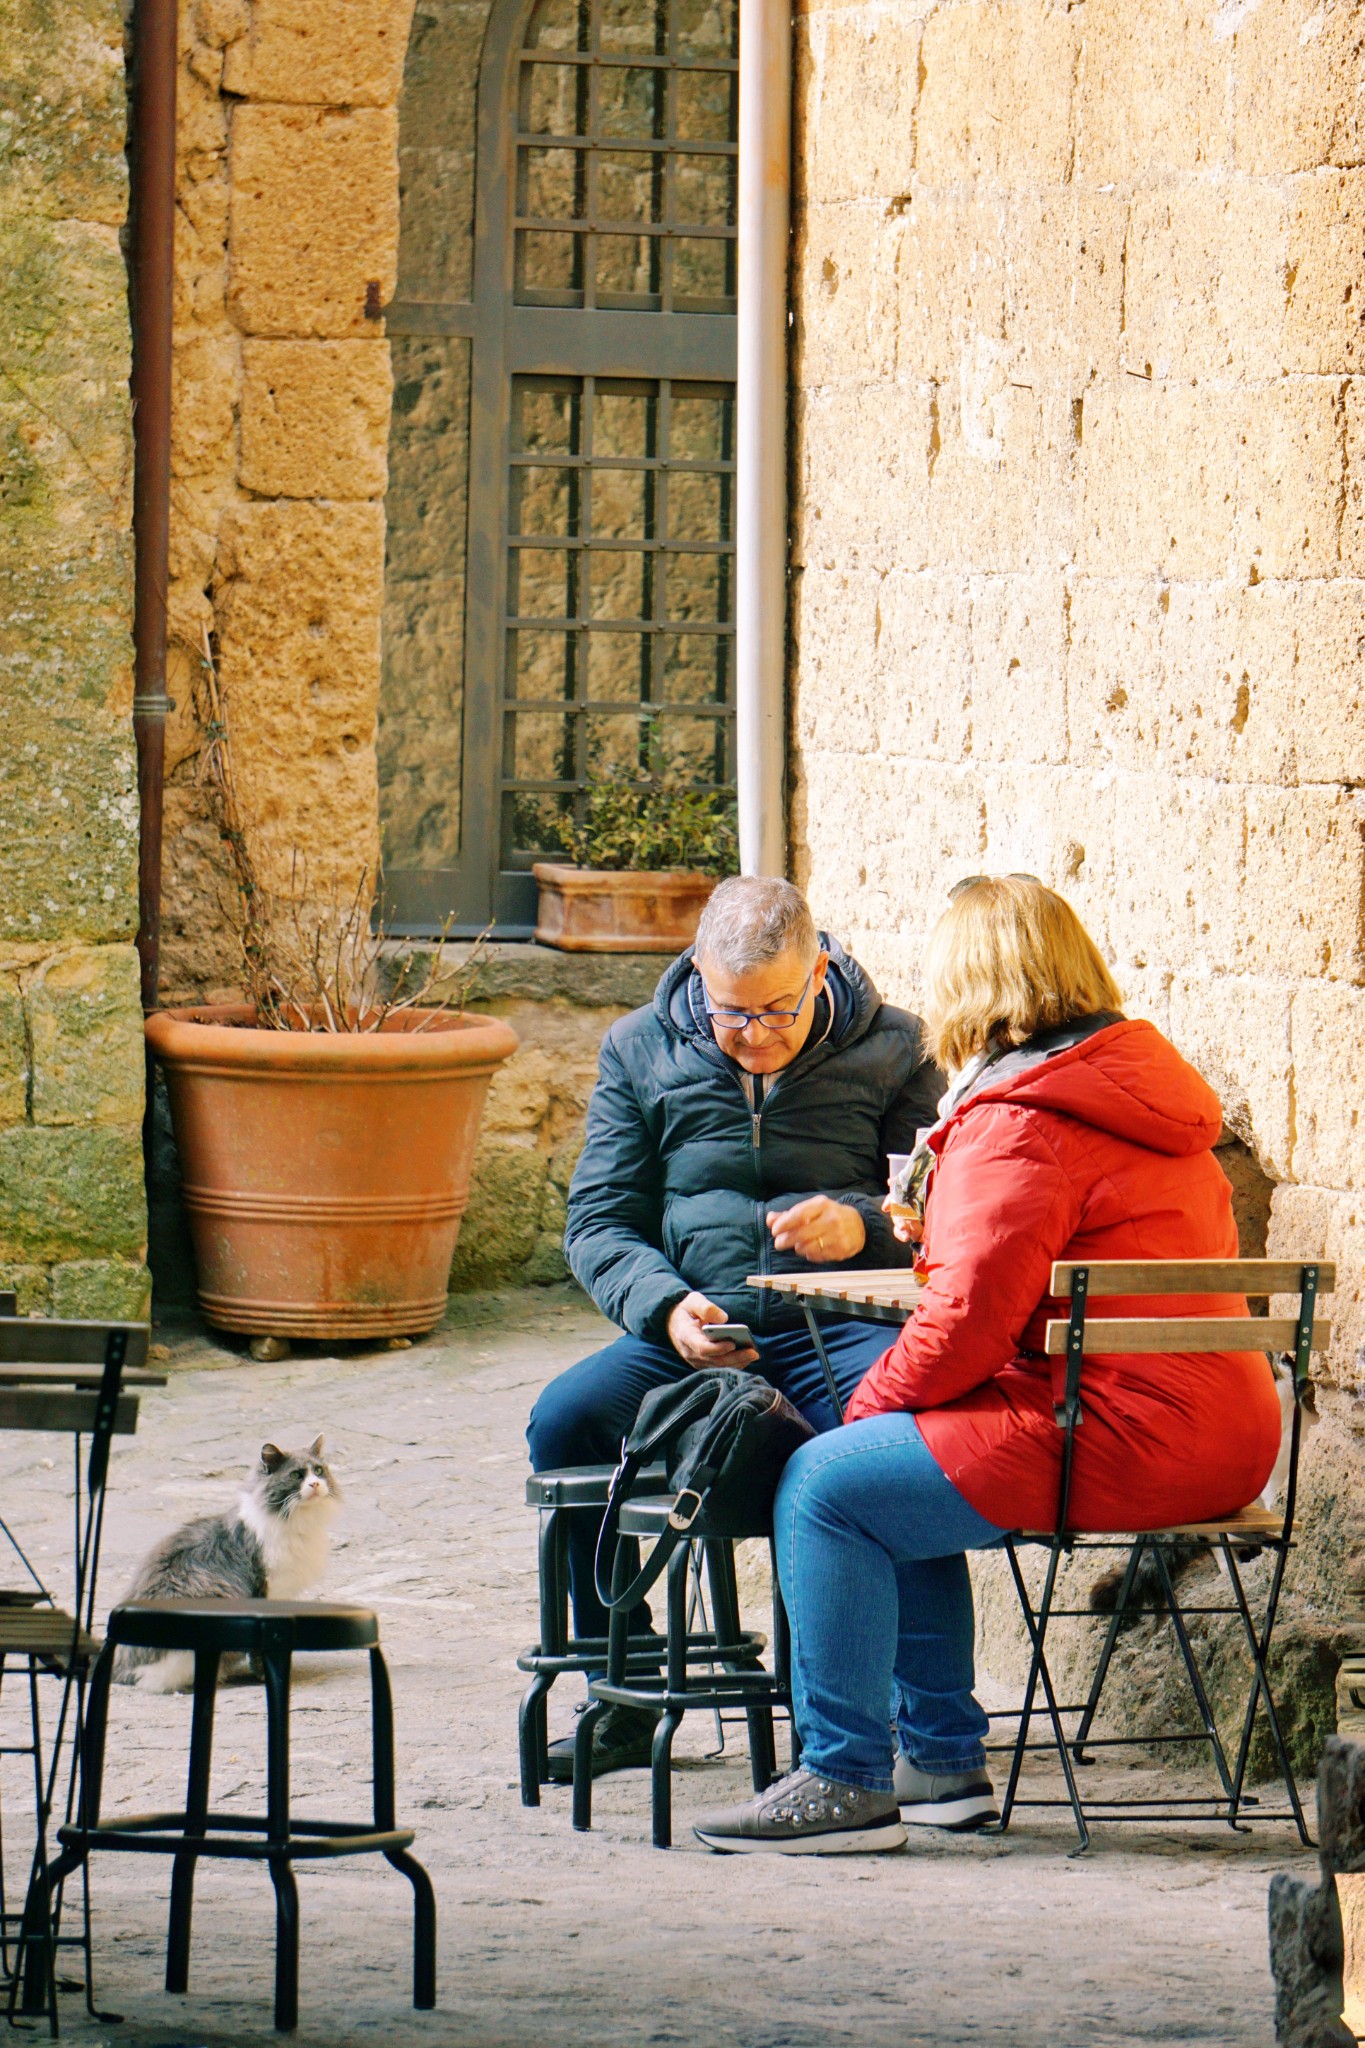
(597, 910)
(325, 1173)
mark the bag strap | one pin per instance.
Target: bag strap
(686, 1507)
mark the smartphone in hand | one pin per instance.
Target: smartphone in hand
(738, 1334)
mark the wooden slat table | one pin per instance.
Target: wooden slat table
(877, 1294)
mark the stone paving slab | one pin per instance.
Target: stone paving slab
(547, 1937)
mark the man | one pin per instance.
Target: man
(740, 1124)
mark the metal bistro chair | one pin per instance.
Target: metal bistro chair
(559, 1495)
(73, 1377)
(1250, 1530)
(741, 1683)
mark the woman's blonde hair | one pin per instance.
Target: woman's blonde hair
(1007, 958)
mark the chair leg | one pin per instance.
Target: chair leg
(286, 1945)
(1026, 1712)
(1259, 1645)
(38, 1945)
(1192, 1672)
(661, 1777)
(385, 1805)
(1111, 1636)
(277, 1659)
(782, 1653)
(37, 1906)
(196, 1819)
(720, 1569)
(582, 1765)
(381, 1736)
(1036, 1624)
(531, 1735)
(424, 1928)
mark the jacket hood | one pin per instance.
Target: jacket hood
(1123, 1078)
(853, 1001)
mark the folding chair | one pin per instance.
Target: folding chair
(70, 1377)
(1252, 1529)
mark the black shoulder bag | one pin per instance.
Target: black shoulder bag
(723, 1436)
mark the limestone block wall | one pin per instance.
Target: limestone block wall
(286, 247)
(560, 1005)
(1079, 541)
(72, 1215)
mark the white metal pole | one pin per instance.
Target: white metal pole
(761, 432)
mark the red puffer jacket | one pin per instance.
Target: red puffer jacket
(1103, 1151)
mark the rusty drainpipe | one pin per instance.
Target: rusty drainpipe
(152, 224)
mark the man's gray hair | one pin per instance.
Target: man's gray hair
(752, 919)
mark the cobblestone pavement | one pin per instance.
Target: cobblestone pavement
(547, 1937)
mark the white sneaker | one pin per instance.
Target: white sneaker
(944, 1799)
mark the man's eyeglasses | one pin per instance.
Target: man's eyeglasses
(771, 1020)
(970, 882)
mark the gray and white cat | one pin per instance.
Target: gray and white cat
(273, 1545)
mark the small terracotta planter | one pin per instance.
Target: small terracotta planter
(325, 1173)
(597, 910)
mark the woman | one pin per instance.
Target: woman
(1069, 1133)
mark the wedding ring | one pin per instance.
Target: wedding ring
(819, 1244)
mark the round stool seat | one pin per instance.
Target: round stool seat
(585, 1486)
(650, 1518)
(241, 1624)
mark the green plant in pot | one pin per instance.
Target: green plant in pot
(645, 852)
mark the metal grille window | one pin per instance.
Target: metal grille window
(619, 633)
(599, 557)
(626, 168)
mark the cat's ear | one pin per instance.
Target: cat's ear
(315, 1448)
(272, 1457)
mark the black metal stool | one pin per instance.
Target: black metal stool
(742, 1683)
(572, 1489)
(272, 1631)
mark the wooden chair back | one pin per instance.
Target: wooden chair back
(1080, 1335)
(1155, 1278)
(53, 1374)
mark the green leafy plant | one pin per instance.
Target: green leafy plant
(654, 820)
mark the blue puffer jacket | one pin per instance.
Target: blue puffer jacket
(678, 1170)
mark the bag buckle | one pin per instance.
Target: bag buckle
(684, 1521)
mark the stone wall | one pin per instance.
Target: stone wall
(1079, 496)
(286, 246)
(72, 1214)
(560, 1005)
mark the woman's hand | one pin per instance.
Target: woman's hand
(820, 1230)
(905, 1229)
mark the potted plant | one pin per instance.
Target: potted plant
(326, 1124)
(643, 858)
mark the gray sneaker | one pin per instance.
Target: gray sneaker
(805, 1815)
(943, 1799)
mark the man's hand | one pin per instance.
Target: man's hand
(687, 1335)
(820, 1230)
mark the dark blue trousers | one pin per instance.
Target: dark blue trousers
(582, 1417)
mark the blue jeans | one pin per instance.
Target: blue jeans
(870, 1543)
(582, 1417)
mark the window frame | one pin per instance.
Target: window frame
(510, 340)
